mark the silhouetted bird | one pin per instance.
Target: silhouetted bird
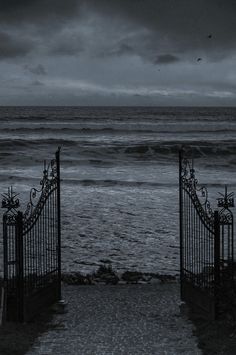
(199, 59)
(210, 36)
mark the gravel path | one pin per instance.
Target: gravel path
(119, 320)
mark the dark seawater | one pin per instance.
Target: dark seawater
(119, 175)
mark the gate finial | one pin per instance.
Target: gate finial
(9, 200)
(227, 200)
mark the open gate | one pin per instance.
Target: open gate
(32, 247)
(206, 245)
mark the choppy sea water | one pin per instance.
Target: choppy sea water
(119, 169)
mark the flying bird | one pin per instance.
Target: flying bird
(199, 59)
(209, 36)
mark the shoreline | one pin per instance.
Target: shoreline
(106, 275)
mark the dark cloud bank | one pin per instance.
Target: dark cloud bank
(173, 26)
(164, 33)
(11, 46)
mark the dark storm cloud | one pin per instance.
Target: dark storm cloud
(37, 83)
(119, 50)
(37, 69)
(116, 50)
(32, 10)
(11, 47)
(95, 50)
(195, 27)
(184, 25)
(67, 43)
(166, 59)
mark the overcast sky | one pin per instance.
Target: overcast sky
(118, 52)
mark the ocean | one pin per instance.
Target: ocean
(119, 170)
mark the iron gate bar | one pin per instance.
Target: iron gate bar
(216, 261)
(59, 219)
(206, 243)
(181, 221)
(32, 246)
(19, 266)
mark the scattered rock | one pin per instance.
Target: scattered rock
(76, 279)
(106, 274)
(162, 277)
(132, 276)
(112, 279)
(104, 269)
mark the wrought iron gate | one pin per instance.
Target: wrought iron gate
(206, 245)
(32, 247)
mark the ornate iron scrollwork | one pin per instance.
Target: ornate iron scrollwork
(32, 245)
(11, 203)
(199, 195)
(38, 197)
(225, 202)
